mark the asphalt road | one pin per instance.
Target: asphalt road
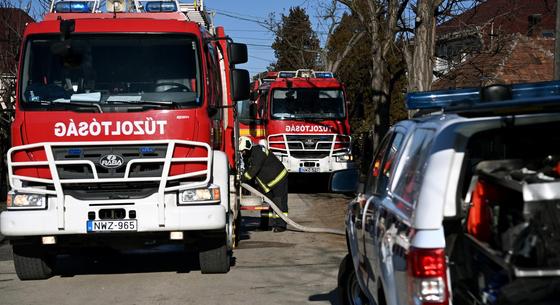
(269, 268)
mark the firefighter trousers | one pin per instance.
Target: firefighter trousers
(279, 195)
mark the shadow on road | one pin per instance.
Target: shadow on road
(161, 259)
(308, 183)
(332, 297)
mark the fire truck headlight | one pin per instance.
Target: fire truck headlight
(344, 158)
(25, 201)
(201, 195)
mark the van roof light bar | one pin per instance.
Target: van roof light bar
(462, 99)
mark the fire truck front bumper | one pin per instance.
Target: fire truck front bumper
(138, 215)
(327, 164)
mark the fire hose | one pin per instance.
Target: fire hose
(292, 223)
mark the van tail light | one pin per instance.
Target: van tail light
(428, 276)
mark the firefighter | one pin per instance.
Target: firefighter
(269, 173)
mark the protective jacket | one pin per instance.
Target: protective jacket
(262, 165)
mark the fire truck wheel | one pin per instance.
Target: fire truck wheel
(237, 230)
(31, 263)
(214, 257)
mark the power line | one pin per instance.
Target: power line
(252, 38)
(235, 13)
(259, 45)
(260, 58)
(263, 24)
(247, 30)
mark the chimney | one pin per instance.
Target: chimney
(534, 27)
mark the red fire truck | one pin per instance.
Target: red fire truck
(250, 121)
(123, 132)
(305, 118)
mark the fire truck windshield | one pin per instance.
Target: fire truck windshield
(111, 68)
(307, 103)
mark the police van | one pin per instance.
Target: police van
(461, 204)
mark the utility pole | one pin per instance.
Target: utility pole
(557, 43)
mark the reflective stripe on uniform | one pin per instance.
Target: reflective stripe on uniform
(265, 188)
(246, 175)
(278, 178)
(277, 216)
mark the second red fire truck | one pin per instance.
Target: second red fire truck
(304, 115)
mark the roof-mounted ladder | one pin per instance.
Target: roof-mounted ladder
(195, 12)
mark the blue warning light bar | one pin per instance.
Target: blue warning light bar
(73, 7)
(471, 97)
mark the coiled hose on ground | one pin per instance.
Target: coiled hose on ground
(292, 223)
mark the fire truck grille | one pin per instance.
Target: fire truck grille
(309, 142)
(316, 146)
(107, 191)
(109, 161)
(309, 154)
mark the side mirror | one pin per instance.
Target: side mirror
(240, 84)
(238, 53)
(345, 181)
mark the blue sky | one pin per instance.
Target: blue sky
(232, 14)
(240, 19)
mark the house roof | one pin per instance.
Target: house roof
(505, 16)
(521, 59)
(12, 24)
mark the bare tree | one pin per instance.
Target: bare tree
(419, 37)
(329, 18)
(420, 64)
(380, 20)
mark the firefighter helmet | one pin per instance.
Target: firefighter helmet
(245, 143)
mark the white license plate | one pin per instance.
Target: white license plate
(111, 225)
(308, 169)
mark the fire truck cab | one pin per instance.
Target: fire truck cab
(305, 117)
(120, 133)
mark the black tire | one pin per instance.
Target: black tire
(265, 221)
(349, 291)
(31, 263)
(214, 257)
(237, 230)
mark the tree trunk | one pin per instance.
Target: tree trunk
(422, 64)
(381, 96)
